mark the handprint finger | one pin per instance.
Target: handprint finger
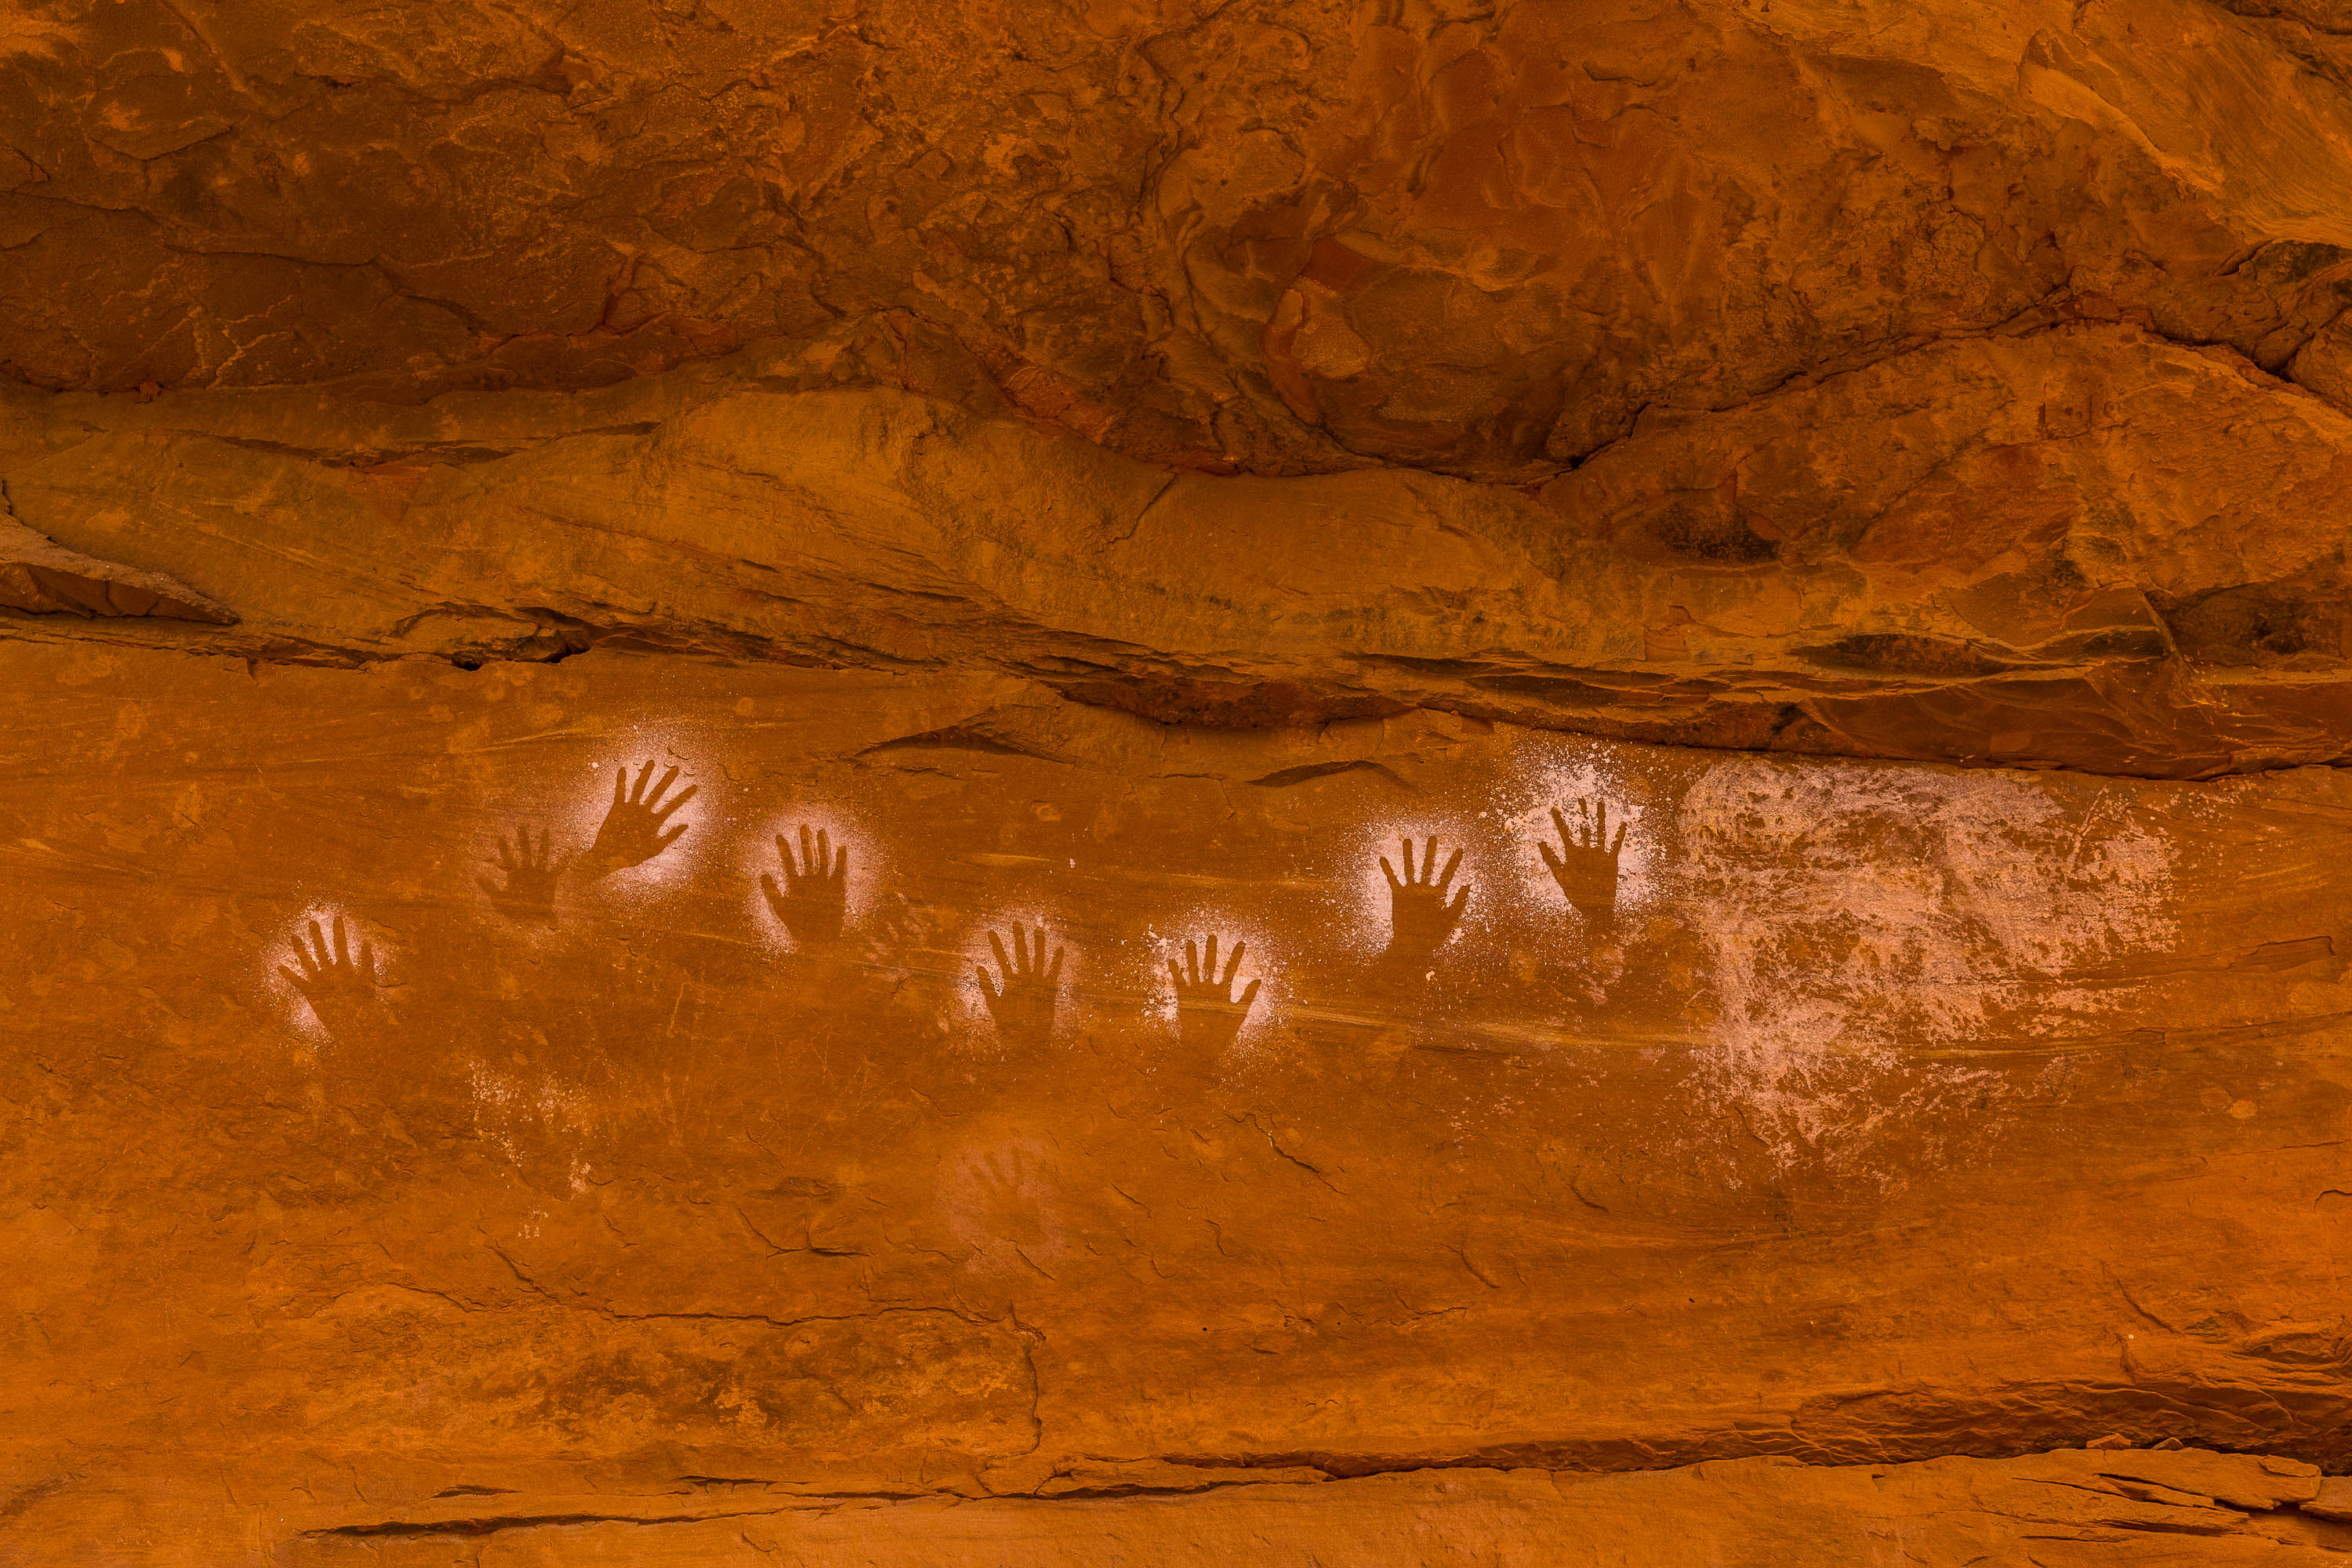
(1250, 995)
(1209, 959)
(1052, 971)
(1003, 962)
(1560, 822)
(676, 833)
(1451, 866)
(1388, 871)
(683, 796)
(1621, 839)
(1176, 977)
(1192, 961)
(1233, 964)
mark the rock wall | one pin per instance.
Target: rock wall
(889, 783)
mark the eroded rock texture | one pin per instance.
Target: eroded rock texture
(892, 783)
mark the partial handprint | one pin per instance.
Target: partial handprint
(1586, 866)
(340, 987)
(1420, 916)
(633, 830)
(1023, 1006)
(1207, 1013)
(815, 895)
(532, 875)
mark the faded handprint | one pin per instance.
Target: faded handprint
(1420, 916)
(815, 895)
(640, 998)
(339, 985)
(1586, 866)
(1023, 1006)
(1207, 1013)
(1001, 1202)
(532, 873)
(634, 831)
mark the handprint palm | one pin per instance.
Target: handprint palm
(636, 826)
(339, 985)
(814, 898)
(1023, 1006)
(532, 872)
(1586, 866)
(1420, 916)
(1207, 1013)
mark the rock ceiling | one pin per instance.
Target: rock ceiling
(1734, 615)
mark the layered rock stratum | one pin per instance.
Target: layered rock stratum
(885, 783)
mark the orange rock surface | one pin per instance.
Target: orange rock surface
(887, 783)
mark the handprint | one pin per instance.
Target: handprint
(1207, 1014)
(816, 894)
(634, 831)
(1023, 1006)
(340, 986)
(1420, 916)
(1586, 866)
(532, 873)
(1001, 1204)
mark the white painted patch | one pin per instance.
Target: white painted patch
(503, 1102)
(1858, 918)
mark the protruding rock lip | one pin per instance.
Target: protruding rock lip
(42, 577)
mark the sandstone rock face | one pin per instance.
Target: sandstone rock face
(885, 783)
